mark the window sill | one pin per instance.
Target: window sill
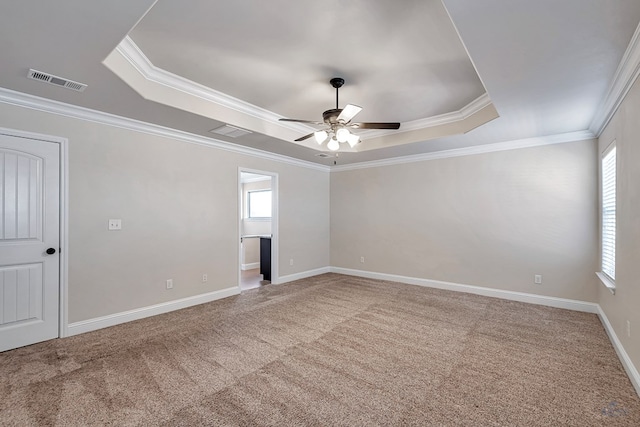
(608, 283)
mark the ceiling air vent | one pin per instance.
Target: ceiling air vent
(230, 131)
(55, 80)
(323, 155)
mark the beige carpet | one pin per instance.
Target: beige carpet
(328, 351)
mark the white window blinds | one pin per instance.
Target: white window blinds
(609, 212)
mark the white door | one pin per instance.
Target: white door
(29, 229)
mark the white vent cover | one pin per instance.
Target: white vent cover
(230, 131)
(55, 80)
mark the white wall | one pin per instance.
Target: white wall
(179, 208)
(492, 220)
(624, 128)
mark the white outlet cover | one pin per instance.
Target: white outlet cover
(115, 224)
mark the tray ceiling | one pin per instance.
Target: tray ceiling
(546, 66)
(250, 56)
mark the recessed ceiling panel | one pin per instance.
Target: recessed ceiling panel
(402, 61)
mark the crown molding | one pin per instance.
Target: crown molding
(442, 119)
(468, 151)
(136, 57)
(132, 53)
(24, 100)
(32, 102)
(626, 74)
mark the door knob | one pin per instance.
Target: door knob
(51, 251)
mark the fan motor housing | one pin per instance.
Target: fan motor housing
(330, 117)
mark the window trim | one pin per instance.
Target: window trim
(606, 279)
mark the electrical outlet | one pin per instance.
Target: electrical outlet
(629, 328)
(169, 283)
(115, 224)
(204, 278)
(537, 279)
(362, 259)
(291, 261)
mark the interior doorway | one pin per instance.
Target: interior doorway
(258, 228)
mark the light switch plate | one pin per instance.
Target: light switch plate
(115, 224)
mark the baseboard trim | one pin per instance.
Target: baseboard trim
(627, 364)
(301, 275)
(568, 304)
(250, 266)
(152, 310)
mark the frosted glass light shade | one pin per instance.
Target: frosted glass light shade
(333, 145)
(353, 140)
(342, 134)
(321, 136)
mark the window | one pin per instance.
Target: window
(609, 212)
(259, 204)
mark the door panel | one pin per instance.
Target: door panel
(29, 208)
(22, 193)
(21, 292)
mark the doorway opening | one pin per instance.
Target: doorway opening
(258, 224)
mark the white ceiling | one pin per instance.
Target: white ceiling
(546, 64)
(246, 177)
(400, 63)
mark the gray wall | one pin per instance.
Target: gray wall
(491, 220)
(179, 208)
(625, 304)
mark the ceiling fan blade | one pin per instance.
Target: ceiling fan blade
(389, 125)
(301, 121)
(302, 138)
(348, 113)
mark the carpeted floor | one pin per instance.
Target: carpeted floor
(331, 350)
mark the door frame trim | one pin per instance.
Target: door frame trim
(274, 221)
(63, 278)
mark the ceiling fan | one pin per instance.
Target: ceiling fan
(338, 122)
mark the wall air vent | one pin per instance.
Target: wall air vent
(55, 80)
(230, 131)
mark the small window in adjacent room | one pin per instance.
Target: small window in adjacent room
(609, 216)
(259, 204)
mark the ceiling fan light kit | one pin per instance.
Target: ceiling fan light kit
(321, 136)
(342, 134)
(338, 121)
(353, 140)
